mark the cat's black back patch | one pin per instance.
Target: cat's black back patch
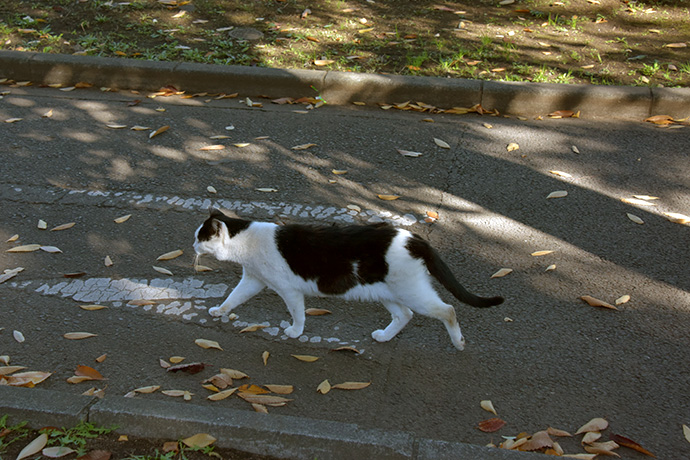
(337, 258)
(210, 228)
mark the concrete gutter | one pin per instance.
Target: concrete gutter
(279, 436)
(339, 88)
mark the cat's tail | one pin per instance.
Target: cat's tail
(439, 270)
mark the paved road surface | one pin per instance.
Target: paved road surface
(545, 358)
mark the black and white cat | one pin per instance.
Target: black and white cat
(364, 262)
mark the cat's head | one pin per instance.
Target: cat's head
(211, 235)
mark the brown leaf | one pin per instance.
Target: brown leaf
(90, 372)
(25, 248)
(191, 368)
(491, 425)
(660, 119)
(280, 389)
(502, 272)
(78, 335)
(160, 130)
(594, 302)
(324, 387)
(260, 408)
(63, 227)
(539, 440)
(252, 389)
(388, 197)
(253, 328)
(221, 395)
(557, 432)
(199, 440)
(234, 374)
(317, 311)
(264, 357)
(352, 349)
(629, 443)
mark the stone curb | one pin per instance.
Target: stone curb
(279, 436)
(339, 88)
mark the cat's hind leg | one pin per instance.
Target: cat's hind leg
(247, 288)
(434, 307)
(400, 315)
(294, 300)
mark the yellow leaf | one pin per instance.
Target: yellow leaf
(637, 202)
(242, 144)
(351, 385)
(199, 440)
(557, 194)
(512, 146)
(203, 343)
(359, 103)
(550, 268)
(488, 406)
(12, 238)
(264, 357)
(646, 197)
(352, 349)
(324, 387)
(339, 171)
(63, 227)
(487, 125)
(306, 358)
(502, 272)
(540, 253)
(388, 197)
(560, 173)
(122, 219)
(33, 447)
(280, 389)
(170, 255)
(252, 328)
(323, 62)
(174, 393)
(160, 130)
(78, 335)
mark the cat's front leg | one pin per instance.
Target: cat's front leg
(247, 288)
(295, 304)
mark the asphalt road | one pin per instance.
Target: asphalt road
(544, 357)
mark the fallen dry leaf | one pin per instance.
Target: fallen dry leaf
(635, 218)
(324, 387)
(351, 385)
(33, 447)
(234, 374)
(622, 299)
(539, 440)
(602, 448)
(512, 146)
(562, 114)
(170, 255)
(108, 262)
(265, 400)
(221, 394)
(199, 440)
(190, 368)
(303, 146)
(266, 189)
(253, 327)
(560, 173)
(203, 343)
(596, 424)
(63, 227)
(323, 62)
(388, 197)
(686, 432)
(260, 408)
(101, 358)
(25, 248)
(51, 249)
(305, 358)
(347, 348)
(280, 389)
(160, 130)
(264, 357)
(488, 406)
(677, 218)
(122, 219)
(557, 432)
(162, 270)
(594, 302)
(78, 335)
(92, 307)
(441, 143)
(212, 147)
(557, 194)
(491, 425)
(502, 272)
(630, 444)
(252, 389)
(409, 153)
(57, 451)
(317, 311)
(541, 253)
(90, 372)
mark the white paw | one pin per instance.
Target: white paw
(461, 345)
(216, 311)
(380, 336)
(293, 332)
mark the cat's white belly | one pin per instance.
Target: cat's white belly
(375, 292)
